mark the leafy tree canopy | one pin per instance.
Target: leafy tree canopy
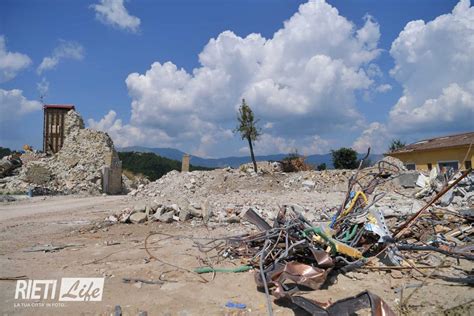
(395, 145)
(344, 158)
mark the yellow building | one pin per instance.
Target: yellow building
(456, 151)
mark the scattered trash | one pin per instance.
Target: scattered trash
(50, 247)
(293, 253)
(231, 304)
(135, 280)
(347, 306)
(230, 270)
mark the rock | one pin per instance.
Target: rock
(124, 216)
(233, 219)
(149, 211)
(394, 161)
(184, 215)
(166, 217)
(154, 206)
(396, 274)
(205, 211)
(73, 123)
(138, 218)
(38, 172)
(447, 198)
(308, 184)
(174, 208)
(140, 207)
(112, 219)
(408, 180)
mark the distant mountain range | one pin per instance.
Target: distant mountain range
(234, 162)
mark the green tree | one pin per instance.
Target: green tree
(396, 144)
(321, 167)
(248, 128)
(344, 158)
(4, 152)
(151, 165)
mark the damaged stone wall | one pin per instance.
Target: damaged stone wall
(77, 167)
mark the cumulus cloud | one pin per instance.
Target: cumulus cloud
(303, 79)
(65, 50)
(11, 63)
(13, 105)
(383, 88)
(434, 63)
(114, 13)
(124, 134)
(315, 145)
(376, 136)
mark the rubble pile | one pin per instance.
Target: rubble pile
(292, 253)
(76, 168)
(219, 196)
(293, 248)
(460, 196)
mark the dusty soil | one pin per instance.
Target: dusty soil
(117, 252)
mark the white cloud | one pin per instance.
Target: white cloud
(114, 13)
(383, 88)
(43, 87)
(269, 144)
(125, 134)
(11, 63)
(65, 50)
(315, 145)
(303, 80)
(13, 105)
(434, 63)
(268, 125)
(376, 136)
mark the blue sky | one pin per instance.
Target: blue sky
(322, 80)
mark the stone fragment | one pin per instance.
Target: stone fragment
(308, 184)
(408, 180)
(184, 215)
(233, 219)
(138, 218)
(139, 207)
(166, 217)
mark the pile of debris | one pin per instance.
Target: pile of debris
(76, 168)
(295, 164)
(165, 213)
(9, 164)
(462, 195)
(293, 253)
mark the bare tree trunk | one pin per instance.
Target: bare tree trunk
(252, 155)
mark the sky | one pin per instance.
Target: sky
(319, 75)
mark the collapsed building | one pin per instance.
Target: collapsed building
(80, 160)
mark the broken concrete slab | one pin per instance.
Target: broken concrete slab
(138, 218)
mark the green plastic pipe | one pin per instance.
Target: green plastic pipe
(227, 270)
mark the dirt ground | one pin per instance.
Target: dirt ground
(118, 252)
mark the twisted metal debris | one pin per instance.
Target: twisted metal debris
(293, 254)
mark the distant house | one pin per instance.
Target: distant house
(456, 151)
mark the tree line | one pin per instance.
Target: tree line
(151, 165)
